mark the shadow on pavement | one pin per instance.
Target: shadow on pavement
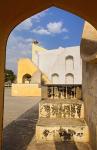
(19, 133)
(66, 146)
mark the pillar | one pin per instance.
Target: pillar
(89, 79)
(3, 39)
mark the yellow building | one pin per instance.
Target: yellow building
(29, 76)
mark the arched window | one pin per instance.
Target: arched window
(69, 78)
(55, 78)
(69, 62)
(26, 78)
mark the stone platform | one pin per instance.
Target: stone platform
(61, 116)
(69, 108)
(59, 130)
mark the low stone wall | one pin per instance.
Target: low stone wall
(61, 109)
(61, 130)
(26, 90)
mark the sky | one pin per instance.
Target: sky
(52, 28)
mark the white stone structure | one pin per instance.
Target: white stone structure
(62, 65)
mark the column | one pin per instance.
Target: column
(2, 78)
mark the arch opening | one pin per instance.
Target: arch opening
(69, 78)
(26, 79)
(69, 62)
(72, 8)
(55, 78)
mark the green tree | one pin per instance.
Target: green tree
(9, 76)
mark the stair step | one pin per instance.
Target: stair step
(61, 108)
(59, 146)
(62, 130)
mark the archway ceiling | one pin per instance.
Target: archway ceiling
(12, 12)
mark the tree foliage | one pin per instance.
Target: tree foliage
(9, 76)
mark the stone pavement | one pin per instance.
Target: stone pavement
(16, 106)
(20, 117)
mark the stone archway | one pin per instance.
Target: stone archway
(13, 12)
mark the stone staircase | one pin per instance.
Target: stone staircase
(61, 119)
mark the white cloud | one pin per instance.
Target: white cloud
(18, 43)
(40, 15)
(41, 31)
(25, 25)
(28, 23)
(51, 28)
(56, 27)
(17, 47)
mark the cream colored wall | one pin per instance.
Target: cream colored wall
(25, 66)
(89, 43)
(89, 83)
(90, 99)
(35, 49)
(26, 90)
(36, 77)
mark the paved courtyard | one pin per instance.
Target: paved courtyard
(20, 118)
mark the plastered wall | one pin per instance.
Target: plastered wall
(54, 62)
(25, 66)
(89, 82)
(90, 99)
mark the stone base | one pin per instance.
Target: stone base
(62, 130)
(61, 109)
(25, 90)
